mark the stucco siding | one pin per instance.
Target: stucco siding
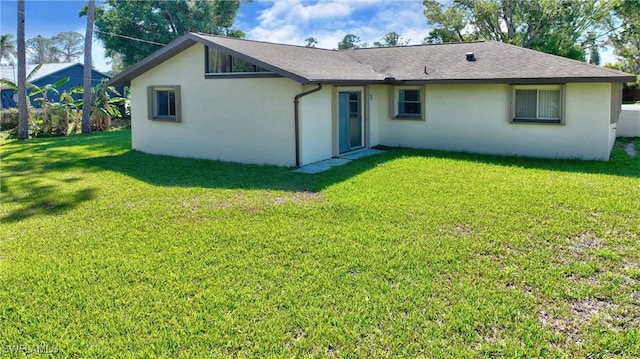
(629, 122)
(476, 118)
(315, 125)
(247, 120)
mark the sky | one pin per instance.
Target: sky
(282, 21)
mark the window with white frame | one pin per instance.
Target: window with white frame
(407, 103)
(538, 104)
(164, 103)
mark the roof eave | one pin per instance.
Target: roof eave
(519, 81)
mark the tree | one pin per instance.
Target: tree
(69, 45)
(350, 41)
(391, 39)
(7, 47)
(626, 33)
(451, 21)
(23, 119)
(559, 27)
(154, 23)
(43, 50)
(86, 92)
(311, 41)
(43, 92)
(104, 106)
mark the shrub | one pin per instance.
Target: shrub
(8, 119)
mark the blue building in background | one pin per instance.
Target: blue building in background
(49, 74)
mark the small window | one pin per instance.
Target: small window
(407, 104)
(164, 103)
(538, 105)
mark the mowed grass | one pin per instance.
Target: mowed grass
(108, 252)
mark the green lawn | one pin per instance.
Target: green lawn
(108, 252)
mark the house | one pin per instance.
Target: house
(263, 103)
(49, 74)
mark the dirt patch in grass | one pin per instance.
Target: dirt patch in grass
(582, 313)
(296, 197)
(586, 241)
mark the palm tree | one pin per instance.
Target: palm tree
(7, 47)
(88, 38)
(23, 119)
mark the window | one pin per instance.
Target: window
(218, 62)
(164, 103)
(542, 104)
(407, 103)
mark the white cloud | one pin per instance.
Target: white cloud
(292, 21)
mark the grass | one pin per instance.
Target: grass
(108, 252)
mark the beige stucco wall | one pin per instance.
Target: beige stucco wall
(629, 123)
(476, 118)
(239, 120)
(251, 120)
(315, 125)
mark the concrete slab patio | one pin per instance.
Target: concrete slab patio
(322, 166)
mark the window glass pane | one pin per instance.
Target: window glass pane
(412, 108)
(410, 95)
(219, 62)
(165, 103)
(172, 103)
(162, 103)
(549, 104)
(241, 65)
(526, 103)
(409, 102)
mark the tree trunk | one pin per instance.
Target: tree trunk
(23, 115)
(86, 94)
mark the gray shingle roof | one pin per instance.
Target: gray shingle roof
(495, 62)
(444, 63)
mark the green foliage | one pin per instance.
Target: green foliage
(411, 253)
(63, 47)
(626, 33)
(391, 39)
(310, 41)
(553, 26)
(8, 119)
(159, 22)
(69, 45)
(451, 21)
(7, 47)
(350, 41)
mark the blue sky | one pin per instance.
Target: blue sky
(283, 21)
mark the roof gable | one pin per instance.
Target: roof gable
(443, 63)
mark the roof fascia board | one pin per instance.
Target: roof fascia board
(518, 81)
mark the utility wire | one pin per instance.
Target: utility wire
(129, 38)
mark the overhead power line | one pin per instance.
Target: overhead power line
(130, 38)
